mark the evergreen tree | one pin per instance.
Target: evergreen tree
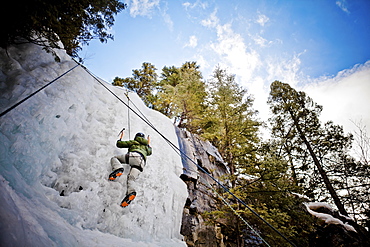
(73, 22)
(143, 82)
(181, 95)
(350, 176)
(296, 125)
(165, 98)
(268, 188)
(259, 175)
(270, 178)
(230, 126)
(229, 121)
(265, 185)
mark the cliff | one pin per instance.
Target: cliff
(196, 231)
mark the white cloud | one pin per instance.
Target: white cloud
(201, 61)
(142, 7)
(260, 92)
(231, 49)
(187, 5)
(212, 21)
(147, 7)
(193, 42)
(261, 41)
(345, 98)
(234, 53)
(284, 69)
(262, 20)
(198, 3)
(342, 4)
(167, 18)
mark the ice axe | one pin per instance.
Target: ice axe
(121, 134)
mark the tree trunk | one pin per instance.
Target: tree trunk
(332, 192)
(294, 174)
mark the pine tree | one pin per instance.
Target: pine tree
(296, 124)
(267, 187)
(181, 95)
(264, 183)
(229, 121)
(165, 98)
(230, 126)
(143, 82)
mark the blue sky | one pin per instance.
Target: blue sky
(309, 44)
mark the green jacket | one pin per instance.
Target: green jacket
(139, 144)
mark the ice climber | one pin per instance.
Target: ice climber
(138, 150)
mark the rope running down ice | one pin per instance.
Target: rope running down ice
(33, 94)
(206, 182)
(167, 140)
(186, 156)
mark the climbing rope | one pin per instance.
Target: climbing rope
(237, 214)
(34, 93)
(128, 116)
(208, 185)
(182, 154)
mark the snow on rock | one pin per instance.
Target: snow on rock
(55, 160)
(326, 217)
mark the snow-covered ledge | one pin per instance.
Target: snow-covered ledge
(328, 218)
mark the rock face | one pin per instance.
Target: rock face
(194, 228)
(332, 230)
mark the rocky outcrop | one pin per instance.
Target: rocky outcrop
(202, 199)
(195, 230)
(334, 229)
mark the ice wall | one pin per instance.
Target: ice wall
(55, 152)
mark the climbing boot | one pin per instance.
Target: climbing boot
(128, 199)
(115, 174)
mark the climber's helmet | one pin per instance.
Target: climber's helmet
(139, 135)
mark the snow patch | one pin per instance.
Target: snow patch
(327, 218)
